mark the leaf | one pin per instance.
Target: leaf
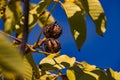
(48, 76)
(70, 0)
(33, 64)
(96, 12)
(40, 8)
(101, 74)
(34, 13)
(76, 73)
(77, 23)
(2, 7)
(12, 14)
(112, 75)
(8, 76)
(71, 74)
(28, 73)
(10, 58)
(43, 17)
(88, 67)
(57, 63)
(92, 70)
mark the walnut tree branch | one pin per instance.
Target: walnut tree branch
(25, 27)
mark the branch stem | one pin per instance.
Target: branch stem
(25, 27)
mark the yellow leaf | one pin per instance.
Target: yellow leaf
(76, 19)
(70, 0)
(88, 67)
(71, 74)
(96, 12)
(114, 74)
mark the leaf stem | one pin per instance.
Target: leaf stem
(28, 45)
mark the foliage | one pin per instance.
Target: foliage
(14, 65)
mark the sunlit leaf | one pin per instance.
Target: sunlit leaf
(42, 19)
(10, 58)
(76, 73)
(40, 7)
(71, 74)
(96, 12)
(59, 62)
(76, 20)
(113, 75)
(34, 15)
(33, 64)
(88, 67)
(2, 7)
(70, 0)
(12, 14)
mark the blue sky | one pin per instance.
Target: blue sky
(103, 51)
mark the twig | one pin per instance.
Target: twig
(40, 34)
(25, 27)
(28, 45)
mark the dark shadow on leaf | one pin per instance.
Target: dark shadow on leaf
(101, 74)
(99, 24)
(47, 66)
(85, 5)
(78, 72)
(65, 64)
(109, 75)
(78, 24)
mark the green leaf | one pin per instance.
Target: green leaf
(2, 7)
(12, 14)
(57, 63)
(76, 73)
(76, 20)
(43, 17)
(34, 14)
(96, 12)
(10, 58)
(113, 75)
(41, 7)
(33, 64)
(101, 74)
(28, 73)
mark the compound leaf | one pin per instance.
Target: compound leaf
(57, 63)
(96, 12)
(12, 14)
(76, 20)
